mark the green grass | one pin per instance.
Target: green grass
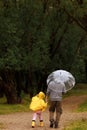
(12, 108)
(5, 108)
(82, 107)
(77, 125)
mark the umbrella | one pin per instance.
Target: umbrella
(62, 77)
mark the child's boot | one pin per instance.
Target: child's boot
(41, 123)
(33, 123)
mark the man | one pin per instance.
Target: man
(55, 90)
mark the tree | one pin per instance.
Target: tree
(38, 37)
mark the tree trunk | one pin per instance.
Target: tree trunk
(10, 93)
(85, 61)
(1, 88)
(9, 86)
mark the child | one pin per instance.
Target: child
(38, 105)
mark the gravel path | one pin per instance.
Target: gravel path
(22, 121)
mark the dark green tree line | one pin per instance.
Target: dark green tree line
(38, 37)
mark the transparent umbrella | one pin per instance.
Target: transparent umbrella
(63, 77)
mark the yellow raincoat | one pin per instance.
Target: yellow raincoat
(38, 102)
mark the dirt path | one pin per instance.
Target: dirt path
(22, 121)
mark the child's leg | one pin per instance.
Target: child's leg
(34, 116)
(39, 113)
(34, 119)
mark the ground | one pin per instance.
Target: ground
(22, 121)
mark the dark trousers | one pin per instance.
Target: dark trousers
(55, 106)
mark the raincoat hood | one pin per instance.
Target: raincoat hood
(41, 95)
(38, 102)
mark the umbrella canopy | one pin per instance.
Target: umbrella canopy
(62, 77)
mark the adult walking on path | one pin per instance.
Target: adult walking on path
(55, 102)
(58, 83)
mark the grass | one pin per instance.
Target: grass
(4, 109)
(82, 107)
(12, 108)
(77, 125)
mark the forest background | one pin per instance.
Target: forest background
(38, 37)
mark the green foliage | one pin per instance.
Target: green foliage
(10, 33)
(43, 35)
(79, 70)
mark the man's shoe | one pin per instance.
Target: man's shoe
(51, 123)
(56, 125)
